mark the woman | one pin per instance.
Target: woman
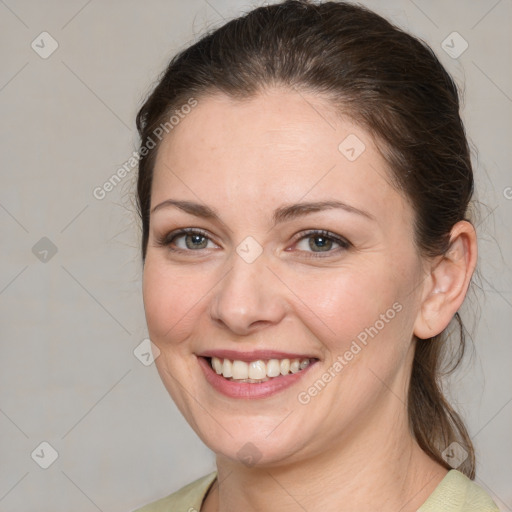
(303, 188)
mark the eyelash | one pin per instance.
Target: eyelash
(166, 240)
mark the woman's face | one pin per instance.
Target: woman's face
(256, 284)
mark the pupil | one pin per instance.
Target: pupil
(195, 241)
(325, 243)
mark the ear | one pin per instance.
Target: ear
(447, 282)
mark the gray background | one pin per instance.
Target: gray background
(71, 320)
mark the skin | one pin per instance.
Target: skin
(350, 447)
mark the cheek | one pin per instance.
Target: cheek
(364, 324)
(172, 299)
(363, 310)
(347, 300)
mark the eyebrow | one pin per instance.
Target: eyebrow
(281, 214)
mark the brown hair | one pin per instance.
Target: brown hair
(388, 82)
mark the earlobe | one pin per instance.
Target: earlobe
(448, 282)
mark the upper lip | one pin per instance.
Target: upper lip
(253, 355)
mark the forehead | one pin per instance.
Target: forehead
(278, 147)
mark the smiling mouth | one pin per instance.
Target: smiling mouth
(257, 371)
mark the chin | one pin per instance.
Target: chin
(251, 447)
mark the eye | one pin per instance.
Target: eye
(192, 239)
(321, 241)
(314, 243)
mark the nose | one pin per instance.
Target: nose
(250, 297)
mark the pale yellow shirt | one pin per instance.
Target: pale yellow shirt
(455, 493)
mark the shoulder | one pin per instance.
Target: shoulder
(186, 499)
(457, 493)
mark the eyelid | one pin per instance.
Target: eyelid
(322, 232)
(167, 238)
(343, 243)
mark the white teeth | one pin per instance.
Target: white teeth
(257, 371)
(227, 368)
(217, 365)
(240, 370)
(294, 365)
(273, 368)
(304, 363)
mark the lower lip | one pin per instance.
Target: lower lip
(235, 389)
